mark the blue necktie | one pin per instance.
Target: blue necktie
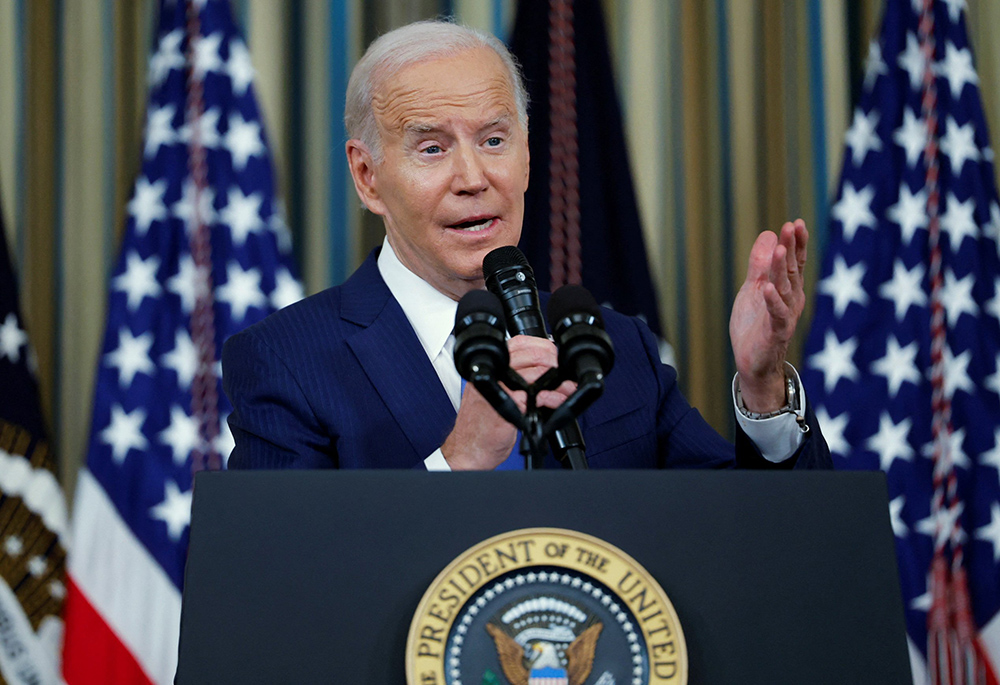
(515, 461)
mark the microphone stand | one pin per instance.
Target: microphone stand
(532, 436)
(534, 428)
(569, 441)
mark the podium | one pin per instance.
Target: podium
(313, 577)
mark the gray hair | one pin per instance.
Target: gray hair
(417, 42)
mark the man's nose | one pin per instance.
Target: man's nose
(469, 171)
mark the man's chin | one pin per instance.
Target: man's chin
(456, 288)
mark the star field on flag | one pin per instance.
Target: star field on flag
(870, 353)
(206, 171)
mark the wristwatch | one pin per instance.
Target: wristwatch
(793, 400)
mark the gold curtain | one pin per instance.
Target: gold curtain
(735, 115)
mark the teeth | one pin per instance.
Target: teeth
(478, 227)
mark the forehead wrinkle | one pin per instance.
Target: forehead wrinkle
(421, 127)
(403, 108)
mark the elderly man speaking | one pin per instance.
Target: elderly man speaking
(361, 375)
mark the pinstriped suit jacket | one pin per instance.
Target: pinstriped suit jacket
(339, 380)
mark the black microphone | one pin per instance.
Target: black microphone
(480, 336)
(586, 354)
(481, 355)
(509, 276)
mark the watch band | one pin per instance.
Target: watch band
(793, 400)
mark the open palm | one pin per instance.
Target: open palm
(766, 312)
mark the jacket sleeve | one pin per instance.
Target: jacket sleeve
(813, 453)
(687, 441)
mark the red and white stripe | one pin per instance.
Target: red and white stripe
(122, 610)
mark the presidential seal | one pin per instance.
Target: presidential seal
(545, 606)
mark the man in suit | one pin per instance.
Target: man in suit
(361, 375)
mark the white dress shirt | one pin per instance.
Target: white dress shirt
(432, 316)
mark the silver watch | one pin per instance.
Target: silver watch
(793, 401)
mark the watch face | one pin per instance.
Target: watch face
(791, 395)
(793, 403)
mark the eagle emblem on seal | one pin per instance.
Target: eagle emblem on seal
(545, 641)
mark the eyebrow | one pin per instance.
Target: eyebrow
(502, 120)
(418, 128)
(421, 128)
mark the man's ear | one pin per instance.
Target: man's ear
(527, 164)
(362, 166)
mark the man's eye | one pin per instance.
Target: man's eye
(494, 141)
(432, 149)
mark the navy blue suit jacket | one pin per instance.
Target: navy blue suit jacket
(340, 380)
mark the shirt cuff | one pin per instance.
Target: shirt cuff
(778, 437)
(436, 462)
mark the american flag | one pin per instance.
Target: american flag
(903, 359)
(32, 508)
(205, 253)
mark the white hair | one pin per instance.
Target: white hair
(417, 42)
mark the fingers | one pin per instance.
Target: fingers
(789, 241)
(545, 398)
(779, 274)
(767, 308)
(553, 398)
(760, 256)
(795, 237)
(480, 439)
(777, 308)
(801, 242)
(531, 357)
(788, 261)
(520, 398)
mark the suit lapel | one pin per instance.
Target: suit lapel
(394, 360)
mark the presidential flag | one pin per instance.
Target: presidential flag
(580, 214)
(32, 508)
(205, 253)
(903, 359)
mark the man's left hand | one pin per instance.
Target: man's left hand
(765, 314)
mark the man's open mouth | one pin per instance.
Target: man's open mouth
(474, 225)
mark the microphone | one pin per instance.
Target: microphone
(481, 355)
(480, 340)
(509, 276)
(586, 354)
